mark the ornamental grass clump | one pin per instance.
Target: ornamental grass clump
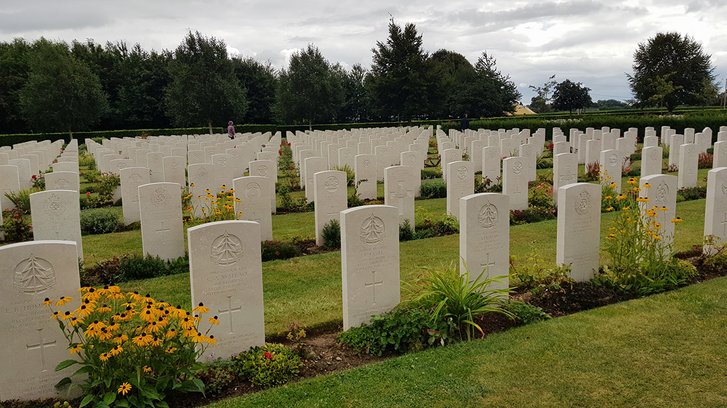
(133, 348)
(642, 260)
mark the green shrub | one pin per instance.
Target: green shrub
(217, 376)
(430, 227)
(406, 232)
(269, 365)
(691, 193)
(331, 234)
(525, 313)
(436, 188)
(107, 185)
(541, 196)
(532, 214)
(106, 272)
(399, 331)
(544, 163)
(431, 173)
(144, 267)
(86, 160)
(536, 276)
(17, 226)
(485, 185)
(279, 250)
(705, 161)
(38, 182)
(99, 221)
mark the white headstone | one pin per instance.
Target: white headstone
(62, 180)
(460, 183)
(399, 191)
(651, 161)
(715, 213)
(225, 268)
(484, 237)
(56, 215)
(565, 171)
(162, 232)
(515, 182)
(610, 168)
(491, 164)
(579, 229)
(253, 193)
(719, 158)
(33, 344)
(661, 192)
(174, 170)
(131, 179)
(369, 262)
(330, 197)
(365, 169)
(688, 164)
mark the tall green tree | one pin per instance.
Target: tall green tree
(499, 93)
(569, 95)
(452, 79)
(62, 93)
(140, 95)
(309, 90)
(540, 103)
(203, 87)
(672, 70)
(13, 76)
(399, 75)
(261, 82)
(356, 102)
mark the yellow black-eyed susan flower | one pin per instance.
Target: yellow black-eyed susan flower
(124, 388)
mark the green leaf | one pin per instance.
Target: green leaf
(65, 364)
(63, 382)
(86, 400)
(109, 397)
(83, 370)
(122, 404)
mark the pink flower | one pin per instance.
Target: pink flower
(88, 194)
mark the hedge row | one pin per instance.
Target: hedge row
(10, 139)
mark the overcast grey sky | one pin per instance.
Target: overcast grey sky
(589, 41)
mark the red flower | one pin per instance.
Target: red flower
(88, 194)
(34, 177)
(268, 355)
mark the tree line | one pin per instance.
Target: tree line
(55, 86)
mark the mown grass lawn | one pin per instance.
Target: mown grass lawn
(662, 351)
(307, 289)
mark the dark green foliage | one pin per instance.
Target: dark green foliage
(218, 98)
(356, 101)
(105, 272)
(672, 70)
(17, 226)
(570, 96)
(429, 228)
(431, 173)
(309, 91)
(399, 331)
(526, 313)
(13, 76)
(140, 267)
(691, 193)
(217, 376)
(436, 188)
(99, 221)
(269, 365)
(21, 200)
(399, 77)
(670, 274)
(61, 92)
(260, 82)
(331, 234)
(532, 214)
(280, 250)
(406, 232)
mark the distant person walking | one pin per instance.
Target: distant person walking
(231, 130)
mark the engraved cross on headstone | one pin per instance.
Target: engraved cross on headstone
(486, 264)
(162, 226)
(229, 311)
(373, 284)
(42, 345)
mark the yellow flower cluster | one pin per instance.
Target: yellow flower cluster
(109, 323)
(217, 206)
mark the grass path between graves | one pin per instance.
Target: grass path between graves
(662, 351)
(307, 290)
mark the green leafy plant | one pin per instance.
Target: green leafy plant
(526, 313)
(217, 376)
(536, 276)
(436, 188)
(461, 299)
(21, 199)
(402, 330)
(17, 226)
(280, 250)
(99, 221)
(331, 234)
(354, 199)
(269, 365)
(406, 232)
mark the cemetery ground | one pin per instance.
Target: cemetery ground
(631, 353)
